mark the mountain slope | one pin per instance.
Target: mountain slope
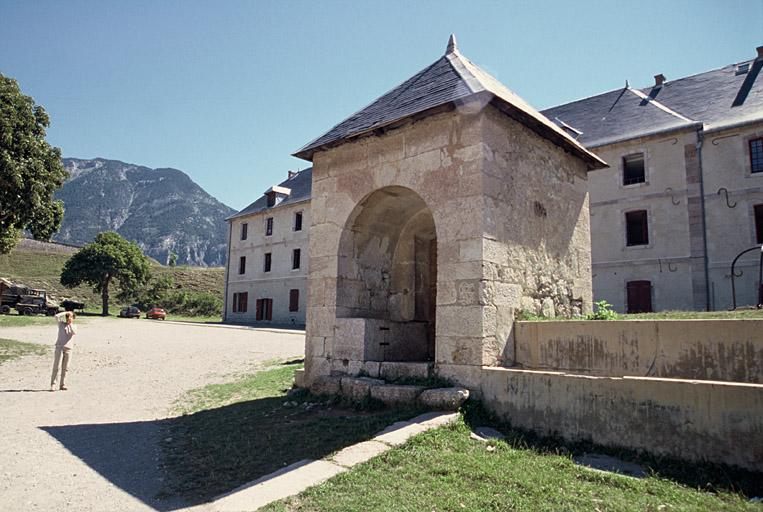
(162, 210)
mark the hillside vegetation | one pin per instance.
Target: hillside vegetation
(42, 269)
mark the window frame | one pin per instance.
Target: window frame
(240, 302)
(263, 309)
(296, 258)
(624, 162)
(267, 264)
(294, 300)
(241, 265)
(298, 225)
(244, 230)
(757, 219)
(644, 228)
(755, 159)
(269, 226)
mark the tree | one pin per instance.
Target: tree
(30, 169)
(172, 259)
(107, 259)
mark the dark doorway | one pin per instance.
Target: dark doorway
(639, 296)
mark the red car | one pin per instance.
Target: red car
(156, 314)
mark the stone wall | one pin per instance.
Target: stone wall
(723, 350)
(693, 420)
(510, 213)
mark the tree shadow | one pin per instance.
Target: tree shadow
(190, 459)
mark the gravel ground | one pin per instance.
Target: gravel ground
(94, 447)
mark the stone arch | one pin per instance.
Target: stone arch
(387, 271)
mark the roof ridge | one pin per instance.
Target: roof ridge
(659, 105)
(459, 66)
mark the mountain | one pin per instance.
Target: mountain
(162, 210)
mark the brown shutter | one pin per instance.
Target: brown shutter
(242, 301)
(294, 300)
(639, 296)
(268, 309)
(235, 302)
(259, 309)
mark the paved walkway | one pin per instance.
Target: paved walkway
(95, 447)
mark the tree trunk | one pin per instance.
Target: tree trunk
(105, 297)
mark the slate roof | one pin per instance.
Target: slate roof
(301, 186)
(713, 99)
(451, 79)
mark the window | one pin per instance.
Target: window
(268, 261)
(269, 226)
(759, 223)
(242, 265)
(264, 309)
(298, 221)
(633, 169)
(271, 198)
(639, 296)
(636, 228)
(295, 256)
(244, 230)
(240, 302)
(756, 155)
(293, 300)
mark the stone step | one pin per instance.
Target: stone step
(393, 370)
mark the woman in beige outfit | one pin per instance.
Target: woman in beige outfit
(64, 343)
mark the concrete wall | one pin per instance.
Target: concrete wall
(693, 420)
(277, 283)
(725, 350)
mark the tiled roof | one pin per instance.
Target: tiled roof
(713, 99)
(450, 79)
(301, 186)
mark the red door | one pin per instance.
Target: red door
(639, 296)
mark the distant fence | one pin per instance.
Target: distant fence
(27, 244)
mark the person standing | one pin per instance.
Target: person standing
(64, 343)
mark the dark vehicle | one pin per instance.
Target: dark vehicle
(71, 305)
(36, 303)
(130, 312)
(156, 314)
(10, 295)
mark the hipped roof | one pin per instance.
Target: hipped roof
(450, 80)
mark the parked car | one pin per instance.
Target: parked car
(156, 314)
(71, 305)
(130, 312)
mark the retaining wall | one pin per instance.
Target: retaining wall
(725, 350)
(692, 420)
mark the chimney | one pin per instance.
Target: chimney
(292, 174)
(760, 52)
(659, 80)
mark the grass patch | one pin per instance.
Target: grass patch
(238, 431)
(663, 315)
(444, 469)
(10, 350)
(40, 269)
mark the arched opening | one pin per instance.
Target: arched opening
(388, 274)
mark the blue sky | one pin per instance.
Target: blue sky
(227, 90)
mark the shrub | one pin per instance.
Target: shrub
(602, 311)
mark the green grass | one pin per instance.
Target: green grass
(666, 315)
(445, 470)
(238, 431)
(42, 270)
(10, 350)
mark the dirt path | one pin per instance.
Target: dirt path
(94, 447)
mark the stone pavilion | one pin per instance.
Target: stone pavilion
(439, 211)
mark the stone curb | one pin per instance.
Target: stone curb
(306, 473)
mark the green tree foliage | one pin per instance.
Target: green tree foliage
(172, 259)
(107, 259)
(148, 296)
(30, 169)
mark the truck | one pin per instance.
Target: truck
(25, 300)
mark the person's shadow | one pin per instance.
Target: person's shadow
(24, 390)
